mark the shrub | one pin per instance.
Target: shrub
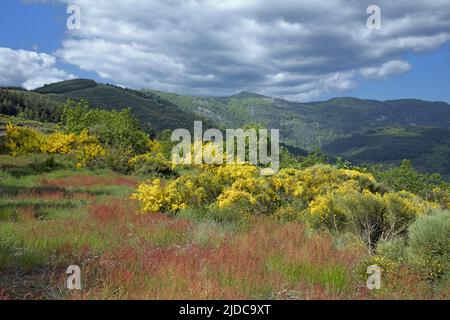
(118, 159)
(114, 129)
(151, 163)
(323, 196)
(395, 250)
(59, 143)
(371, 216)
(194, 190)
(402, 209)
(429, 243)
(328, 210)
(88, 149)
(251, 195)
(318, 180)
(154, 198)
(324, 213)
(387, 265)
(364, 213)
(85, 147)
(291, 212)
(198, 188)
(230, 173)
(428, 186)
(22, 140)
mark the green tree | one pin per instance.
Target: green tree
(405, 177)
(116, 130)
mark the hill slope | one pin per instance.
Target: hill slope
(45, 103)
(151, 109)
(428, 148)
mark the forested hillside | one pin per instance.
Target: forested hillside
(310, 125)
(45, 104)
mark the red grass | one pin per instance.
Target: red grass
(27, 213)
(236, 269)
(136, 266)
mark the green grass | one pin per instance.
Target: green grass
(162, 236)
(59, 215)
(333, 278)
(224, 216)
(49, 220)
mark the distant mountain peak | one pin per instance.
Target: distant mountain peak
(67, 86)
(247, 94)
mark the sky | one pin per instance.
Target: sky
(293, 49)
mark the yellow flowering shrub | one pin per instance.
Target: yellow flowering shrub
(88, 149)
(322, 196)
(59, 143)
(324, 211)
(250, 195)
(190, 190)
(154, 146)
(288, 213)
(317, 180)
(153, 197)
(230, 173)
(22, 140)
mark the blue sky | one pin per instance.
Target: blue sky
(184, 49)
(429, 79)
(41, 25)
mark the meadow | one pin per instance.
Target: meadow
(52, 216)
(98, 193)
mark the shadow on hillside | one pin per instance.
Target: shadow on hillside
(40, 190)
(35, 168)
(13, 191)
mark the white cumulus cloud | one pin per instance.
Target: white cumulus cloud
(29, 69)
(386, 69)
